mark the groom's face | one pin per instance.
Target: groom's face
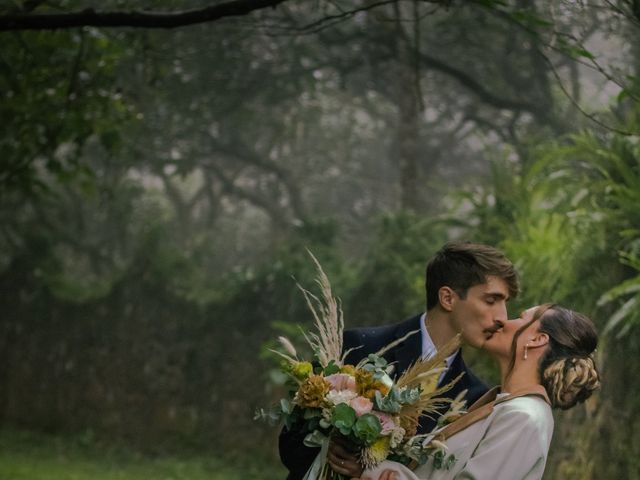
(483, 308)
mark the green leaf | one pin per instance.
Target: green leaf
(310, 413)
(574, 51)
(343, 418)
(624, 93)
(627, 287)
(450, 462)
(272, 416)
(367, 428)
(438, 459)
(286, 406)
(528, 18)
(624, 312)
(331, 368)
(390, 403)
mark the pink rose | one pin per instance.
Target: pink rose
(388, 425)
(361, 405)
(342, 381)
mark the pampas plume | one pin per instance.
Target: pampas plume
(327, 314)
(288, 346)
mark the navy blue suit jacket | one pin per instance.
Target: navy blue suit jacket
(298, 458)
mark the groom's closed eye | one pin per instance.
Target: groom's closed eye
(493, 297)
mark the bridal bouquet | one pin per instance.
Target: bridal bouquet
(360, 402)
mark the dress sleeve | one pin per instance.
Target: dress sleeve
(515, 445)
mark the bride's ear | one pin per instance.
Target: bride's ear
(539, 339)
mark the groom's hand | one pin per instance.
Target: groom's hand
(343, 459)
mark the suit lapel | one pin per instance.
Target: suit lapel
(406, 353)
(456, 368)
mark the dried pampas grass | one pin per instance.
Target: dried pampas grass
(327, 314)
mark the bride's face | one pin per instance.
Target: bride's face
(499, 344)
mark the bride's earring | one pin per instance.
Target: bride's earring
(526, 349)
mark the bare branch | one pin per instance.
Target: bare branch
(90, 17)
(271, 208)
(590, 116)
(329, 21)
(241, 152)
(343, 15)
(476, 87)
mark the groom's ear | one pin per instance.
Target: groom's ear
(447, 298)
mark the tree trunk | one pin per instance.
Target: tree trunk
(409, 102)
(408, 150)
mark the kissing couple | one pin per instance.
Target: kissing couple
(545, 357)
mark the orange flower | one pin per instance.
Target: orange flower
(312, 392)
(367, 385)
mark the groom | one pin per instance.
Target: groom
(467, 287)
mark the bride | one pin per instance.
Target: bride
(546, 361)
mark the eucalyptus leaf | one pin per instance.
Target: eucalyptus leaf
(343, 418)
(367, 428)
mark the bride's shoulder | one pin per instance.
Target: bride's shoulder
(529, 407)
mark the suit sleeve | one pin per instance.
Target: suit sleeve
(295, 456)
(515, 445)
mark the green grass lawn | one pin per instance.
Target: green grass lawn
(29, 456)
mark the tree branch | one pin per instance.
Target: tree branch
(474, 86)
(271, 208)
(574, 102)
(90, 17)
(241, 152)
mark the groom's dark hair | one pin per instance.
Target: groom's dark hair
(462, 265)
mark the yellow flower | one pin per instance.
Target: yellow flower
(301, 370)
(312, 392)
(349, 370)
(376, 453)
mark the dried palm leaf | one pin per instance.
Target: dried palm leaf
(422, 369)
(425, 373)
(428, 404)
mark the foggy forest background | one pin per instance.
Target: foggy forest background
(160, 187)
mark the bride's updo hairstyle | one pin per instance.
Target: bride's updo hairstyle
(567, 369)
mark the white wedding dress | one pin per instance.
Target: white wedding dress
(510, 444)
